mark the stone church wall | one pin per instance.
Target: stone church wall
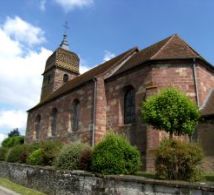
(147, 80)
(63, 105)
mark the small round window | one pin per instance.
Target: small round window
(65, 77)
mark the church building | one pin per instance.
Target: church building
(78, 107)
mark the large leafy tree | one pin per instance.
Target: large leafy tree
(171, 110)
(14, 132)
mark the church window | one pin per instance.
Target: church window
(54, 121)
(129, 105)
(76, 115)
(37, 125)
(48, 79)
(65, 78)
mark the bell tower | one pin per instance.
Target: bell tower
(61, 66)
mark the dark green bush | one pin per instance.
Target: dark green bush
(20, 153)
(115, 155)
(13, 141)
(176, 160)
(50, 150)
(14, 153)
(27, 150)
(71, 157)
(85, 159)
(44, 153)
(35, 158)
(3, 153)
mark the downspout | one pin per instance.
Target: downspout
(195, 82)
(94, 112)
(194, 135)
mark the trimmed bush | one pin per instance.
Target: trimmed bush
(14, 153)
(3, 153)
(71, 157)
(27, 150)
(13, 141)
(20, 153)
(176, 160)
(44, 153)
(85, 159)
(50, 150)
(115, 155)
(35, 158)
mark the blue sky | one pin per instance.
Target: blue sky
(99, 29)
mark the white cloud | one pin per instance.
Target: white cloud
(11, 119)
(2, 137)
(23, 32)
(68, 5)
(108, 55)
(20, 73)
(42, 5)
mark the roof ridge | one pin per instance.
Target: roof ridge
(163, 46)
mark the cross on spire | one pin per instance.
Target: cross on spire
(66, 27)
(64, 44)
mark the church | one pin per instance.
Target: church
(78, 107)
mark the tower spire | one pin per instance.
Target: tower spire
(64, 44)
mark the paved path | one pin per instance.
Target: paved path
(5, 191)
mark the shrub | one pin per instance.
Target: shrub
(176, 160)
(71, 157)
(85, 159)
(14, 153)
(49, 151)
(115, 155)
(3, 153)
(35, 158)
(44, 153)
(27, 150)
(13, 141)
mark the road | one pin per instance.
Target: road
(5, 191)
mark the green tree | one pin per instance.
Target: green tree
(14, 132)
(171, 110)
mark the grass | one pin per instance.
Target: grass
(209, 177)
(18, 188)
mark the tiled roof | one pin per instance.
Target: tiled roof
(87, 76)
(208, 107)
(172, 47)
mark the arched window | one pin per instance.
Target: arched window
(37, 125)
(129, 105)
(65, 78)
(76, 115)
(53, 121)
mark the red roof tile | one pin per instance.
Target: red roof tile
(172, 47)
(92, 73)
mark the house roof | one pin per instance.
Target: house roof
(172, 47)
(87, 76)
(208, 107)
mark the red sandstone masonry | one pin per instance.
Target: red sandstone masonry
(64, 126)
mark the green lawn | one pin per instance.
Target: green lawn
(18, 188)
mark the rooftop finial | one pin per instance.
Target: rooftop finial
(64, 44)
